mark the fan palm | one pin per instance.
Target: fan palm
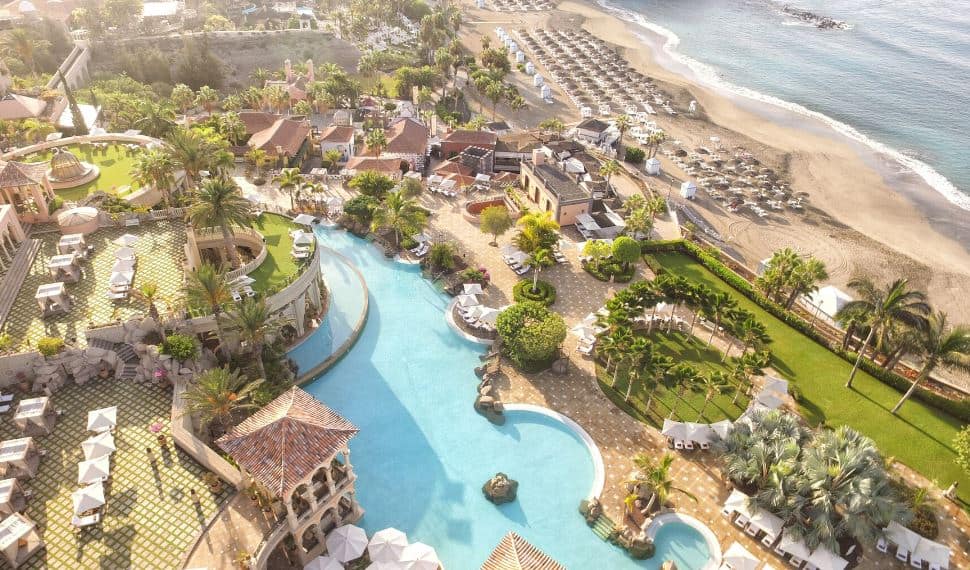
(219, 203)
(940, 345)
(156, 120)
(216, 394)
(719, 305)
(254, 323)
(608, 169)
(207, 97)
(231, 127)
(639, 356)
(190, 152)
(402, 215)
(182, 97)
(882, 306)
(712, 384)
(289, 180)
(148, 292)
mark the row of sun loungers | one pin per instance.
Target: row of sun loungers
(421, 249)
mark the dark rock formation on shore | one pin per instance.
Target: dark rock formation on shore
(820, 22)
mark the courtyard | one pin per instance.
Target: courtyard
(115, 162)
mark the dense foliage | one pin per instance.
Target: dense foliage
(543, 292)
(531, 334)
(180, 347)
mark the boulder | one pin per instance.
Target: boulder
(500, 489)
(560, 367)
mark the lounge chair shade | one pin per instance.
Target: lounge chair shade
(324, 563)
(583, 331)
(767, 522)
(769, 400)
(125, 253)
(121, 278)
(100, 445)
(93, 470)
(824, 559)
(738, 557)
(737, 502)
(902, 536)
(489, 316)
(794, 547)
(123, 266)
(701, 433)
(933, 553)
(103, 419)
(472, 288)
(776, 385)
(520, 257)
(420, 556)
(87, 498)
(388, 565)
(303, 219)
(509, 250)
(675, 430)
(346, 543)
(387, 545)
(303, 239)
(722, 428)
(126, 240)
(243, 280)
(468, 300)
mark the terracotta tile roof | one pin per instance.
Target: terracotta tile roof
(515, 553)
(286, 133)
(407, 136)
(593, 125)
(14, 107)
(256, 121)
(22, 173)
(477, 138)
(452, 167)
(386, 165)
(518, 142)
(337, 133)
(283, 443)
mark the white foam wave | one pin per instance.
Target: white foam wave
(708, 74)
(798, 24)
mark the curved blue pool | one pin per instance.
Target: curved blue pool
(423, 453)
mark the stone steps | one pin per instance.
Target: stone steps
(16, 273)
(126, 353)
(603, 527)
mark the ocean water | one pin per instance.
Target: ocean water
(897, 81)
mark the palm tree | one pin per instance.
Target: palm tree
(289, 180)
(656, 476)
(148, 293)
(719, 305)
(156, 120)
(654, 141)
(495, 91)
(623, 124)
(713, 383)
(254, 323)
(219, 203)
(259, 76)
(805, 279)
(232, 103)
(401, 214)
(207, 97)
(155, 167)
(258, 157)
(537, 230)
(747, 329)
(333, 156)
(206, 287)
(939, 344)
(190, 152)
(778, 272)
(685, 377)
(376, 140)
(217, 394)
(537, 260)
(608, 169)
(24, 45)
(640, 358)
(882, 306)
(613, 344)
(748, 365)
(182, 97)
(555, 125)
(655, 368)
(231, 127)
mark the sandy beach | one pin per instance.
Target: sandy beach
(859, 219)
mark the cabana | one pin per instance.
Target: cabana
(688, 190)
(936, 555)
(88, 498)
(763, 521)
(103, 420)
(100, 445)
(722, 428)
(19, 539)
(701, 434)
(52, 298)
(93, 470)
(676, 431)
(64, 267)
(304, 220)
(125, 253)
(824, 559)
(19, 458)
(738, 557)
(794, 548)
(123, 266)
(35, 416)
(72, 243)
(737, 502)
(12, 497)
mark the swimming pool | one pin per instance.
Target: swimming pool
(423, 453)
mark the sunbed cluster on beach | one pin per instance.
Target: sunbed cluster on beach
(521, 5)
(593, 75)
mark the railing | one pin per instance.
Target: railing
(248, 267)
(289, 293)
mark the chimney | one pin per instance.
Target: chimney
(538, 157)
(309, 71)
(288, 71)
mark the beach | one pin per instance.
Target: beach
(862, 216)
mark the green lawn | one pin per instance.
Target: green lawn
(114, 163)
(919, 436)
(677, 346)
(279, 265)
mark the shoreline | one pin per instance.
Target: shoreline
(864, 216)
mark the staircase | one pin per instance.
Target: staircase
(124, 351)
(603, 527)
(16, 273)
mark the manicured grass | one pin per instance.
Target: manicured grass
(680, 348)
(919, 436)
(279, 265)
(115, 165)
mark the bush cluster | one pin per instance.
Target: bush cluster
(545, 293)
(634, 155)
(531, 335)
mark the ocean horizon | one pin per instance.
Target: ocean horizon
(894, 79)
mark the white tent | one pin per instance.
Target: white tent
(467, 300)
(767, 522)
(829, 300)
(824, 559)
(387, 545)
(347, 542)
(489, 316)
(933, 553)
(722, 428)
(303, 239)
(794, 547)
(126, 240)
(674, 430)
(737, 502)
(121, 278)
(99, 445)
(472, 289)
(769, 400)
(303, 219)
(420, 556)
(103, 419)
(701, 433)
(902, 536)
(688, 190)
(87, 498)
(125, 253)
(123, 266)
(324, 563)
(583, 331)
(738, 557)
(93, 470)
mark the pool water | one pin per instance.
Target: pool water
(422, 453)
(683, 544)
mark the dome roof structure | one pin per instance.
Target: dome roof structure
(65, 166)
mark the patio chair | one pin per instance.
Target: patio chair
(249, 291)
(705, 446)
(585, 349)
(81, 522)
(742, 521)
(751, 530)
(882, 546)
(4, 408)
(523, 270)
(236, 297)
(678, 444)
(902, 554)
(689, 445)
(6, 398)
(915, 561)
(796, 561)
(768, 540)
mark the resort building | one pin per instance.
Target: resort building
(455, 142)
(512, 149)
(407, 140)
(15, 107)
(500, 128)
(340, 138)
(390, 167)
(297, 450)
(479, 159)
(292, 82)
(286, 140)
(555, 187)
(592, 131)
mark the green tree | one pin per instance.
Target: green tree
(608, 169)
(155, 167)
(554, 124)
(289, 180)
(333, 157)
(961, 443)
(441, 256)
(206, 288)
(219, 203)
(25, 46)
(148, 292)
(626, 250)
(156, 120)
(217, 394)
(402, 215)
(376, 141)
(207, 97)
(537, 231)
(254, 323)
(495, 220)
(537, 260)
(410, 188)
(719, 305)
(371, 183)
(231, 127)
(940, 345)
(531, 334)
(623, 124)
(181, 347)
(655, 476)
(685, 377)
(189, 151)
(712, 383)
(77, 118)
(182, 97)
(258, 157)
(596, 250)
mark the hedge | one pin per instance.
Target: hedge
(958, 408)
(608, 269)
(545, 293)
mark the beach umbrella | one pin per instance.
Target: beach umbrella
(738, 557)
(100, 445)
(347, 542)
(126, 240)
(303, 239)
(769, 400)
(420, 556)
(674, 430)
(93, 470)
(121, 278)
(303, 219)
(125, 253)
(387, 565)
(472, 289)
(87, 498)
(467, 300)
(324, 563)
(387, 545)
(509, 250)
(103, 419)
(489, 316)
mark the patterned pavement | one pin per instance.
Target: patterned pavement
(159, 252)
(150, 518)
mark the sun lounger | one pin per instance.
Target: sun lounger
(523, 270)
(768, 540)
(248, 291)
(6, 398)
(882, 546)
(705, 445)
(741, 522)
(751, 530)
(678, 444)
(586, 349)
(81, 522)
(689, 445)
(796, 561)
(902, 554)
(236, 296)
(915, 561)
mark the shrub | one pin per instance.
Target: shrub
(626, 250)
(180, 347)
(49, 346)
(6, 342)
(442, 256)
(531, 335)
(472, 275)
(545, 293)
(634, 155)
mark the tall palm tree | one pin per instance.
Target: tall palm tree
(623, 124)
(219, 203)
(206, 287)
(376, 141)
(537, 230)
(155, 167)
(190, 152)
(805, 279)
(258, 157)
(638, 357)
(24, 45)
(148, 292)
(712, 384)
(778, 272)
(207, 97)
(882, 306)
(656, 476)
(231, 127)
(654, 369)
(289, 180)
(538, 259)
(555, 125)
(216, 394)
(608, 169)
(156, 120)
(719, 306)
(613, 344)
(333, 156)
(402, 215)
(684, 377)
(654, 141)
(940, 345)
(182, 97)
(254, 323)
(259, 76)
(748, 365)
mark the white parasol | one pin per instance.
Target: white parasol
(347, 542)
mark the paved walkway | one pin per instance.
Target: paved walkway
(239, 527)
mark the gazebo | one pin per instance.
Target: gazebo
(516, 553)
(19, 458)
(12, 498)
(35, 416)
(296, 449)
(19, 539)
(67, 171)
(64, 267)
(52, 298)
(72, 243)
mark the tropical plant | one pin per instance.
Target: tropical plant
(206, 288)
(940, 345)
(531, 334)
(441, 255)
(207, 97)
(495, 220)
(182, 97)
(402, 215)
(148, 292)
(376, 141)
(608, 169)
(231, 127)
(623, 124)
(24, 45)
(881, 306)
(156, 120)
(719, 306)
(626, 250)
(155, 167)
(259, 158)
(289, 180)
(254, 323)
(961, 444)
(685, 377)
(217, 394)
(555, 125)
(371, 183)
(537, 260)
(219, 203)
(181, 347)
(712, 383)
(537, 231)
(655, 476)
(49, 346)
(333, 156)
(189, 151)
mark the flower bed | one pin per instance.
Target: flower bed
(545, 293)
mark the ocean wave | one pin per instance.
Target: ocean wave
(710, 75)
